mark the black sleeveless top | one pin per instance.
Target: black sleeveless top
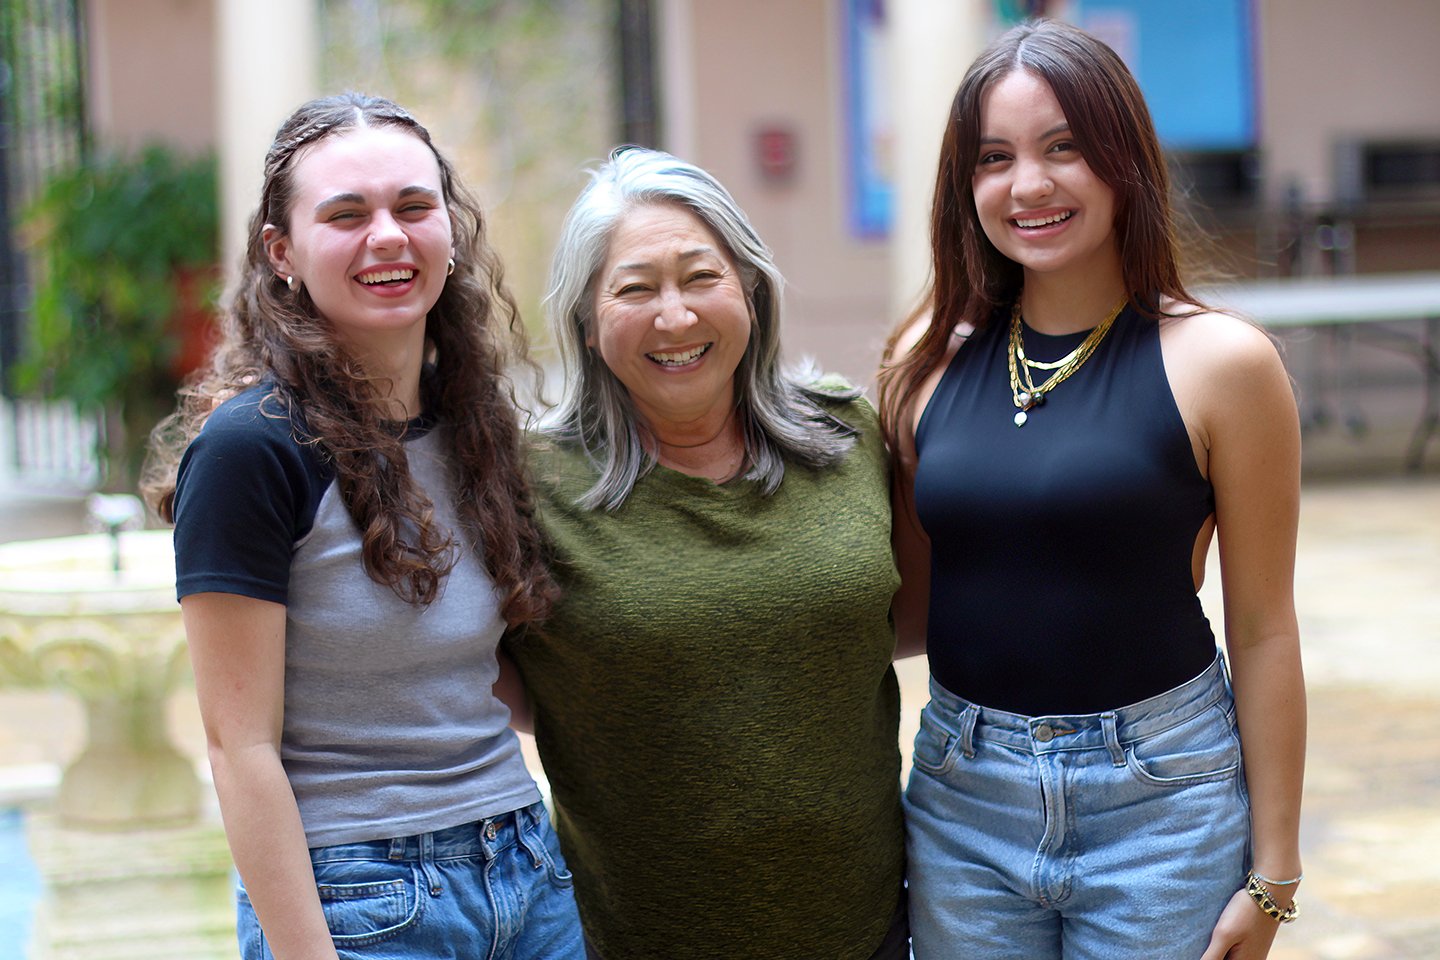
(1060, 566)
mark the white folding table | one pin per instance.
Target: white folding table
(1370, 305)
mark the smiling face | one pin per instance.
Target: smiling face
(1037, 199)
(368, 235)
(671, 318)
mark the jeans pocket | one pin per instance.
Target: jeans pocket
(542, 838)
(247, 926)
(367, 902)
(1202, 749)
(935, 745)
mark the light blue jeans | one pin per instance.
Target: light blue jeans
(497, 889)
(1112, 836)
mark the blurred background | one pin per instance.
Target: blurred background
(1305, 140)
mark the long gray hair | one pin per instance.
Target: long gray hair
(779, 413)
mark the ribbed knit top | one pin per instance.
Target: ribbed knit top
(1061, 578)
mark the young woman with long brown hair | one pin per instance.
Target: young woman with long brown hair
(1072, 428)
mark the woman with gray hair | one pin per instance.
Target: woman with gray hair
(712, 697)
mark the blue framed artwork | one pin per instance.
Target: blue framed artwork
(1195, 62)
(869, 131)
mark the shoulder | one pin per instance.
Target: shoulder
(854, 410)
(1223, 370)
(1219, 347)
(924, 381)
(559, 468)
(850, 413)
(842, 403)
(254, 418)
(253, 438)
(828, 386)
(546, 449)
(246, 492)
(831, 392)
(910, 335)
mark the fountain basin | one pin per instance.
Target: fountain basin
(69, 620)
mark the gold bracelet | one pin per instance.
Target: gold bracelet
(1276, 883)
(1265, 902)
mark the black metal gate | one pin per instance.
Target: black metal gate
(42, 129)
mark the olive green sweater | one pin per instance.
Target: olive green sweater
(716, 710)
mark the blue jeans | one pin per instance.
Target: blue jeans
(497, 888)
(1099, 837)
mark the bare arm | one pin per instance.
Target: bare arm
(1253, 434)
(510, 689)
(911, 607)
(237, 645)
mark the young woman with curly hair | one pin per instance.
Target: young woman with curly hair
(353, 535)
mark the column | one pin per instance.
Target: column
(267, 65)
(933, 45)
(674, 34)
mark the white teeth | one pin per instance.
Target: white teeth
(386, 275)
(678, 359)
(1044, 221)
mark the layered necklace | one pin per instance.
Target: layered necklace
(1023, 388)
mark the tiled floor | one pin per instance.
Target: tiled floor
(1368, 593)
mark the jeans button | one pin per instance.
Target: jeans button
(490, 830)
(1044, 733)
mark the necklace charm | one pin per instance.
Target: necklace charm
(1025, 392)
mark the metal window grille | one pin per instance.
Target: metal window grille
(42, 129)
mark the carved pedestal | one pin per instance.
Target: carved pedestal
(156, 894)
(128, 867)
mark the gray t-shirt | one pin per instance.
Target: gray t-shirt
(391, 727)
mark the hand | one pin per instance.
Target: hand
(1243, 931)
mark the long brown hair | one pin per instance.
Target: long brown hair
(275, 336)
(1112, 128)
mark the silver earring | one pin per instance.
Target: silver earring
(450, 267)
(290, 282)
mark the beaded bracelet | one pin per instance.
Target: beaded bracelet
(1265, 902)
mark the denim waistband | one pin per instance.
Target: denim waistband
(482, 838)
(1109, 730)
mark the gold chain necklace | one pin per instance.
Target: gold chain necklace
(1023, 389)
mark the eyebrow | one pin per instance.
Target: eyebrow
(645, 265)
(1063, 127)
(410, 191)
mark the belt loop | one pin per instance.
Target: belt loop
(427, 863)
(397, 848)
(1110, 725)
(967, 730)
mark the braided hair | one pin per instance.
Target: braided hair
(275, 336)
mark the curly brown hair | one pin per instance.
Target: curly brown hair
(1111, 125)
(274, 336)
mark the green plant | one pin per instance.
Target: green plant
(115, 242)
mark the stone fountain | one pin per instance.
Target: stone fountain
(132, 868)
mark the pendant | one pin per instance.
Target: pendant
(1020, 417)
(1024, 401)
